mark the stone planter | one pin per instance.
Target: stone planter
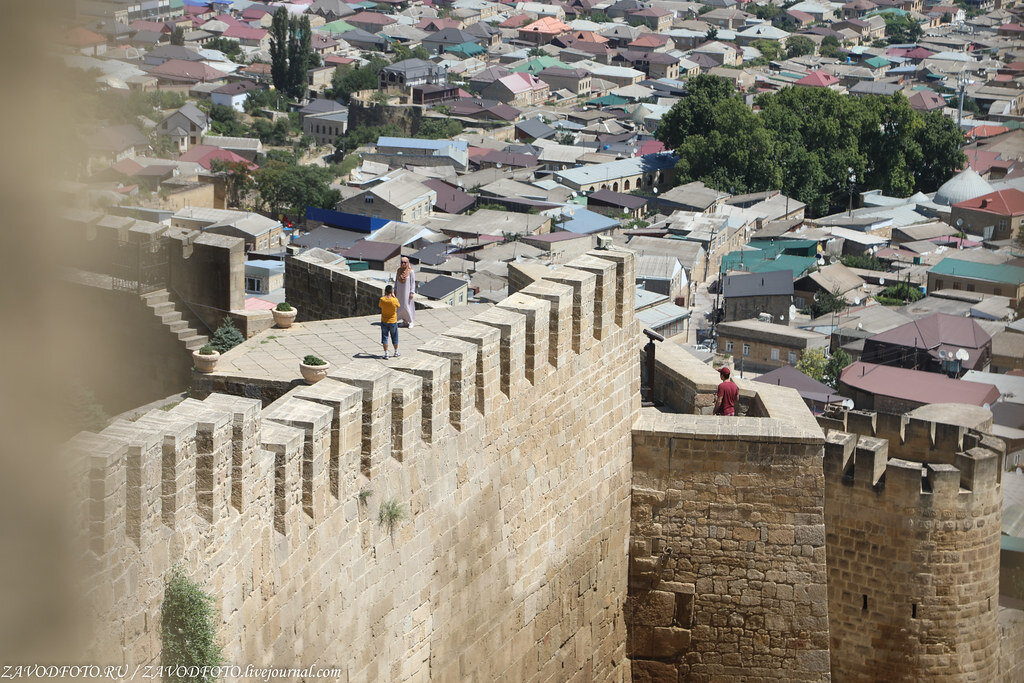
(284, 318)
(205, 362)
(313, 373)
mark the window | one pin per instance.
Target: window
(792, 357)
(746, 349)
(970, 288)
(368, 199)
(728, 347)
(254, 284)
(799, 301)
(775, 354)
(461, 295)
(997, 291)
(938, 283)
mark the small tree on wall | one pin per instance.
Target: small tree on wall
(188, 630)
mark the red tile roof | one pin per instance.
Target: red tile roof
(204, 155)
(83, 37)
(916, 385)
(818, 79)
(245, 33)
(180, 70)
(979, 132)
(1008, 202)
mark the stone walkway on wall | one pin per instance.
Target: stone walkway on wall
(275, 353)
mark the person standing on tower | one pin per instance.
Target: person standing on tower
(728, 393)
(405, 287)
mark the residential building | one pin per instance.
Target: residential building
(996, 216)
(816, 395)
(617, 204)
(518, 90)
(410, 72)
(397, 200)
(185, 127)
(576, 81)
(834, 279)
(760, 347)
(934, 343)
(749, 295)
(639, 173)
(663, 274)
(263, 276)
(325, 128)
(1000, 279)
(234, 94)
(444, 289)
(897, 390)
(379, 255)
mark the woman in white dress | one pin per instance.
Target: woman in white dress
(405, 287)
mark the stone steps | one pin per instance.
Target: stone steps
(176, 318)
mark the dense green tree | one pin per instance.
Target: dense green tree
(438, 129)
(902, 29)
(347, 80)
(300, 36)
(238, 179)
(177, 36)
(288, 188)
(224, 121)
(403, 52)
(362, 135)
(816, 364)
(279, 49)
(831, 48)
(766, 11)
(863, 261)
(809, 142)
(272, 132)
(827, 302)
(798, 46)
(834, 367)
(712, 33)
(231, 49)
(769, 49)
(227, 336)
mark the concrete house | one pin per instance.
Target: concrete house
(518, 90)
(576, 81)
(748, 295)
(234, 94)
(410, 72)
(760, 347)
(445, 289)
(995, 216)
(397, 200)
(185, 127)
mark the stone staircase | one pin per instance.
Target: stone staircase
(176, 318)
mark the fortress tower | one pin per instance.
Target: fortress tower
(912, 516)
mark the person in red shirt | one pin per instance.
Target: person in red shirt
(728, 392)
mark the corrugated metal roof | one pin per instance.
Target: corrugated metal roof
(1005, 273)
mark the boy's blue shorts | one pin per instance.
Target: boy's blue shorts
(389, 329)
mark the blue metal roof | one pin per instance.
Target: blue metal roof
(585, 221)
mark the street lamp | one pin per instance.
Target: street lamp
(853, 179)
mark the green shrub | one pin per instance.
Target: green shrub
(284, 307)
(188, 628)
(391, 513)
(207, 350)
(226, 337)
(313, 360)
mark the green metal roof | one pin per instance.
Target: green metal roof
(538, 64)
(608, 100)
(790, 247)
(1002, 272)
(876, 62)
(466, 48)
(339, 26)
(755, 262)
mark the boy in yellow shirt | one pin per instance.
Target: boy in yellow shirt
(389, 320)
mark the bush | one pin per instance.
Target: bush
(188, 628)
(226, 337)
(313, 360)
(864, 262)
(207, 350)
(284, 306)
(899, 294)
(391, 513)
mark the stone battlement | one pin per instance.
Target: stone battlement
(912, 519)
(911, 457)
(487, 433)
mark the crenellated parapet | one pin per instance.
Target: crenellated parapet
(487, 429)
(913, 514)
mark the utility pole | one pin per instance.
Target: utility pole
(961, 81)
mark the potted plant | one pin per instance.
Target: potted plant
(205, 359)
(284, 314)
(313, 369)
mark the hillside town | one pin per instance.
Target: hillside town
(824, 196)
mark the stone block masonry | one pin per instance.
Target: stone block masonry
(511, 563)
(913, 549)
(727, 545)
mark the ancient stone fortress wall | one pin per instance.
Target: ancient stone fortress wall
(727, 548)
(508, 442)
(913, 525)
(320, 284)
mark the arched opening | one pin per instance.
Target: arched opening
(615, 186)
(625, 186)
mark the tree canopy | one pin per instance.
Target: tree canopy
(288, 188)
(290, 48)
(901, 29)
(347, 80)
(804, 141)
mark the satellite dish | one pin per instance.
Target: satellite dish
(848, 403)
(499, 164)
(986, 406)
(881, 280)
(961, 354)
(959, 222)
(792, 311)
(860, 326)
(942, 354)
